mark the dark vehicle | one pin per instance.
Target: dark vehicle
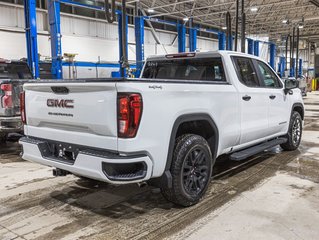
(12, 74)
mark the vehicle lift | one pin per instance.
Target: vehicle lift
(225, 40)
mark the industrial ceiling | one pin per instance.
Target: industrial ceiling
(272, 17)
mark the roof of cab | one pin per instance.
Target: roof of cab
(204, 54)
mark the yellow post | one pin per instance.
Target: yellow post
(314, 84)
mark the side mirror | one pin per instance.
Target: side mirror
(290, 84)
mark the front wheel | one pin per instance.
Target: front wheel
(294, 133)
(191, 170)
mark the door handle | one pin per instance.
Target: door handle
(246, 98)
(272, 96)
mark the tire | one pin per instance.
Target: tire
(191, 170)
(3, 137)
(294, 133)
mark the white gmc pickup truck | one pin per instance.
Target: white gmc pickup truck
(167, 127)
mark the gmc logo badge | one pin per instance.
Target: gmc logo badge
(60, 103)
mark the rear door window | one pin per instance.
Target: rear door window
(205, 69)
(246, 72)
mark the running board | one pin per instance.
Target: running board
(248, 152)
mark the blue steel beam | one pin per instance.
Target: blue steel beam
(192, 39)
(250, 46)
(300, 68)
(256, 48)
(181, 31)
(208, 30)
(278, 67)
(282, 66)
(31, 36)
(81, 5)
(161, 21)
(272, 55)
(55, 33)
(122, 70)
(230, 43)
(139, 39)
(292, 69)
(221, 41)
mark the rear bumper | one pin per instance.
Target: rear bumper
(11, 124)
(107, 167)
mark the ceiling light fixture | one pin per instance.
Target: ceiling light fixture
(254, 9)
(150, 10)
(300, 26)
(224, 28)
(285, 21)
(185, 19)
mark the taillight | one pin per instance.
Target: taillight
(22, 107)
(129, 111)
(6, 100)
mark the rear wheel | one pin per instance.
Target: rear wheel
(191, 170)
(294, 133)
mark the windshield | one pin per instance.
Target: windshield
(206, 69)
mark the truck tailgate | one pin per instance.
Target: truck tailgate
(79, 113)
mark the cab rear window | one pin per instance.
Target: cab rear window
(204, 69)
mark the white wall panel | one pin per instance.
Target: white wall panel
(105, 72)
(90, 49)
(111, 31)
(149, 49)
(81, 27)
(41, 20)
(204, 45)
(131, 35)
(43, 46)
(20, 19)
(166, 38)
(101, 30)
(12, 45)
(8, 17)
(148, 38)
(90, 39)
(66, 25)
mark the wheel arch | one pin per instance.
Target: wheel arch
(298, 107)
(166, 179)
(199, 118)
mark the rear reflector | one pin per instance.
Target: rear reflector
(6, 99)
(22, 107)
(180, 55)
(130, 107)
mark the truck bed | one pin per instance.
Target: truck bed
(150, 80)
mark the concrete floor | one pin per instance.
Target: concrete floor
(285, 206)
(273, 195)
(282, 207)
